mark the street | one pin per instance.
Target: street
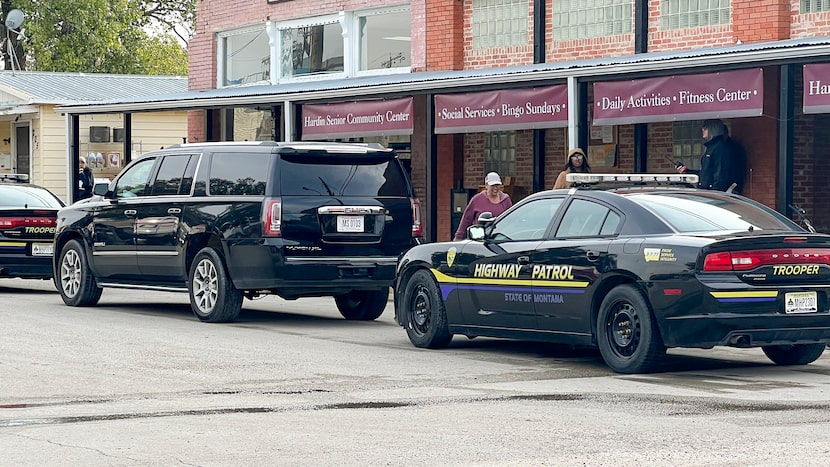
(138, 380)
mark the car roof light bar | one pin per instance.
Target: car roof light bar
(15, 177)
(592, 178)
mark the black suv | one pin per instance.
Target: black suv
(224, 221)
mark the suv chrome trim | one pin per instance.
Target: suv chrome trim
(350, 210)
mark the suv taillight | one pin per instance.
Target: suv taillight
(417, 226)
(272, 217)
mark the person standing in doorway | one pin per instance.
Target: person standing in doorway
(85, 180)
(577, 162)
(721, 165)
(491, 199)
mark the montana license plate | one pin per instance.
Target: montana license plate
(350, 223)
(801, 302)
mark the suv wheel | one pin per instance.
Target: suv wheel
(74, 279)
(362, 305)
(213, 298)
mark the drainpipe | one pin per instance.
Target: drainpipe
(539, 57)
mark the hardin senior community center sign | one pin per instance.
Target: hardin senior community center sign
(725, 94)
(358, 118)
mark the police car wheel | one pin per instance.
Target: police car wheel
(73, 278)
(797, 354)
(627, 335)
(426, 318)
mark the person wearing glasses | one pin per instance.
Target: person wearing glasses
(85, 180)
(577, 162)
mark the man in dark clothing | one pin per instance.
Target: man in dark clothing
(721, 164)
(85, 180)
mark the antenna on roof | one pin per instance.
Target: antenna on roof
(14, 19)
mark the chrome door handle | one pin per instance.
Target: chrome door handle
(592, 255)
(174, 211)
(523, 260)
(130, 212)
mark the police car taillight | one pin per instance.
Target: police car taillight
(26, 221)
(272, 217)
(751, 259)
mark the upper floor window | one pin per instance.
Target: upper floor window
(679, 14)
(244, 56)
(499, 23)
(309, 48)
(582, 19)
(384, 39)
(812, 6)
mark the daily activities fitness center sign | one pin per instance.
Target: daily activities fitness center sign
(685, 97)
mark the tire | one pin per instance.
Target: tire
(627, 334)
(362, 305)
(425, 315)
(796, 354)
(74, 279)
(213, 298)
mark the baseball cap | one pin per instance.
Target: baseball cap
(492, 178)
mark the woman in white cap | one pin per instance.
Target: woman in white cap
(85, 180)
(491, 199)
(577, 162)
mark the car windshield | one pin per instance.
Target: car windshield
(27, 196)
(711, 211)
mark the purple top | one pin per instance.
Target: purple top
(479, 204)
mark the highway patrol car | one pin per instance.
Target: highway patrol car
(633, 268)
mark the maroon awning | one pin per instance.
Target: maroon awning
(358, 118)
(725, 94)
(817, 88)
(507, 109)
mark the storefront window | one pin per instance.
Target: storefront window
(679, 14)
(687, 145)
(500, 153)
(581, 19)
(499, 23)
(244, 56)
(311, 49)
(811, 6)
(385, 41)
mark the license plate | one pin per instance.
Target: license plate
(350, 223)
(42, 249)
(801, 302)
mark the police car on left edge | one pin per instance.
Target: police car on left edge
(28, 214)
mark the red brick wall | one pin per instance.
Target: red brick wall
(760, 20)
(808, 24)
(499, 56)
(445, 34)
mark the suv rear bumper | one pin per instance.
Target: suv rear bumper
(297, 277)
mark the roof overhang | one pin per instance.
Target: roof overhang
(654, 63)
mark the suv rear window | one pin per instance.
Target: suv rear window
(342, 175)
(27, 196)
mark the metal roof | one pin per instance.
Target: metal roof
(39, 87)
(739, 55)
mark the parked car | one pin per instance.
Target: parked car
(630, 269)
(227, 221)
(28, 215)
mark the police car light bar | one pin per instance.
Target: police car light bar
(585, 178)
(15, 177)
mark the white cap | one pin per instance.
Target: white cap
(492, 178)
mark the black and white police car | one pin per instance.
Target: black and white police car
(631, 264)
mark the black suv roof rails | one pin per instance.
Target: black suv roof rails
(606, 181)
(20, 178)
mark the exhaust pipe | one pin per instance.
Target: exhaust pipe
(740, 340)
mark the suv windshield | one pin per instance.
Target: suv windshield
(709, 212)
(342, 175)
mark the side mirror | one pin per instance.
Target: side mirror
(485, 217)
(475, 232)
(100, 189)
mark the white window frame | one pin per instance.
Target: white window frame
(354, 40)
(314, 21)
(220, 54)
(813, 6)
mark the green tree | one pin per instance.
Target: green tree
(101, 36)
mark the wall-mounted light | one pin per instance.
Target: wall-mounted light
(7, 140)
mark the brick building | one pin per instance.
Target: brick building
(289, 69)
